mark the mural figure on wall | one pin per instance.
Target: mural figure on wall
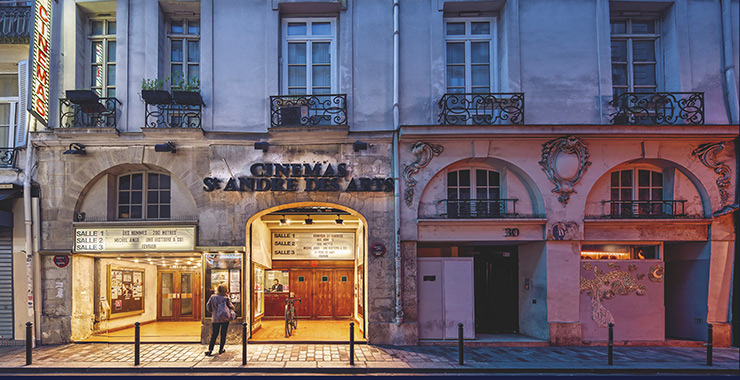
(606, 286)
(565, 231)
(424, 153)
(707, 155)
(553, 154)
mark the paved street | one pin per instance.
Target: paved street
(283, 358)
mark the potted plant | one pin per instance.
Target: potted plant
(82, 96)
(187, 92)
(153, 93)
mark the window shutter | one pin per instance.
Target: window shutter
(22, 124)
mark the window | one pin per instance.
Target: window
(309, 56)
(620, 252)
(637, 192)
(8, 111)
(144, 196)
(469, 47)
(634, 45)
(184, 47)
(474, 196)
(102, 41)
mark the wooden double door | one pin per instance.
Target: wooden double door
(324, 292)
(178, 296)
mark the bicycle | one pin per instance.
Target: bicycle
(291, 319)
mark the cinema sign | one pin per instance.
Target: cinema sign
(40, 55)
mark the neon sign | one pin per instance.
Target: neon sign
(40, 61)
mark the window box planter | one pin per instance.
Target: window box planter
(188, 98)
(156, 96)
(82, 96)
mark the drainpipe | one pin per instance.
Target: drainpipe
(728, 66)
(28, 221)
(396, 166)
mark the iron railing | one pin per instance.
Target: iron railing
(15, 24)
(478, 208)
(482, 109)
(308, 110)
(173, 115)
(101, 114)
(7, 157)
(658, 108)
(643, 209)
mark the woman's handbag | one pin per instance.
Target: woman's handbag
(224, 313)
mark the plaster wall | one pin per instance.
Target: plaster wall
(83, 297)
(533, 301)
(562, 260)
(686, 289)
(21, 313)
(56, 301)
(261, 244)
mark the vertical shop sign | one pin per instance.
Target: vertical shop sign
(38, 103)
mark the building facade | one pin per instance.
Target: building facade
(376, 160)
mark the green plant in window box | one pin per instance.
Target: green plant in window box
(153, 92)
(187, 92)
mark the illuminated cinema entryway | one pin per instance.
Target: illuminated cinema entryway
(312, 252)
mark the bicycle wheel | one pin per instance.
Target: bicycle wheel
(288, 326)
(293, 318)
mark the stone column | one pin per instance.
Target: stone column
(563, 290)
(720, 283)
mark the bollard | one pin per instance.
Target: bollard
(710, 338)
(460, 343)
(610, 352)
(29, 343)
(244, 343)
(351, 343)
(137, 338)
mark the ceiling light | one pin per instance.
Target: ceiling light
(283, 221)
(339, 220)
(308, 220)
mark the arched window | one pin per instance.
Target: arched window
(143, 196)
(636, 192)
(474, 196)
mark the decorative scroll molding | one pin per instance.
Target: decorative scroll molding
(424, 153)
(550, 152)
(706, 154)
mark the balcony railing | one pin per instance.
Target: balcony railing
(308, 110)
(478, 208)
(658, 108)
(482, 109)
(101, 114)
(173, 115)
(7, 157)
(643, 209)
(15, 24)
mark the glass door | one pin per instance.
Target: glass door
(178, 296)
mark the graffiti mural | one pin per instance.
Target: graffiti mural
(606, 286)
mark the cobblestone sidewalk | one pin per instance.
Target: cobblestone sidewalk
(189, 356)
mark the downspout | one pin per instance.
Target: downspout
(728, 66)
(396, 166)
(28, 221)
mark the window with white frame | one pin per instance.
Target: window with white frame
(8, 110)
(474, 193)
(637, 192)
(469, 52)
(309, 53)
(102, 40)
(635, 54)
(143, 196)
(184, 49)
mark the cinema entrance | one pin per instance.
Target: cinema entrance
(312, 255)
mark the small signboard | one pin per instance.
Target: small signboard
(313, 245)
(61, 261)
(135, 239)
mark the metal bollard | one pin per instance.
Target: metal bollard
(460, 343)
(244, 343)
(29, 343)
(137, 342)
(351, 343)
(610, 352)
(710, 338)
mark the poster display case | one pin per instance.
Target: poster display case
(125, 291)
(259, 290)
(277, 281)
(224, 269)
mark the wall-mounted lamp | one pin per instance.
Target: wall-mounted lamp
(283, 221)
(308, 220)
(169, 146)
(359, 145)
(339, 220)
(262, 145)
(75, 148)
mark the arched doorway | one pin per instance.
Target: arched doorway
(314, 254)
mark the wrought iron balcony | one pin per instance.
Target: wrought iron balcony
(173, 115)
(478, 208)
(482, 109)
(7, 157)
(102, 113)
(658, 108)
(308, 110)
(643, 209)
(15, 24)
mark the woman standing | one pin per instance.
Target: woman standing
(221, 308)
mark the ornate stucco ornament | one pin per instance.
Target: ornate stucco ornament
(605, 287)
(552, 152)
(424, 153)
(706, 154)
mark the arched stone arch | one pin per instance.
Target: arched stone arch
(516, 180)
(602, 183)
